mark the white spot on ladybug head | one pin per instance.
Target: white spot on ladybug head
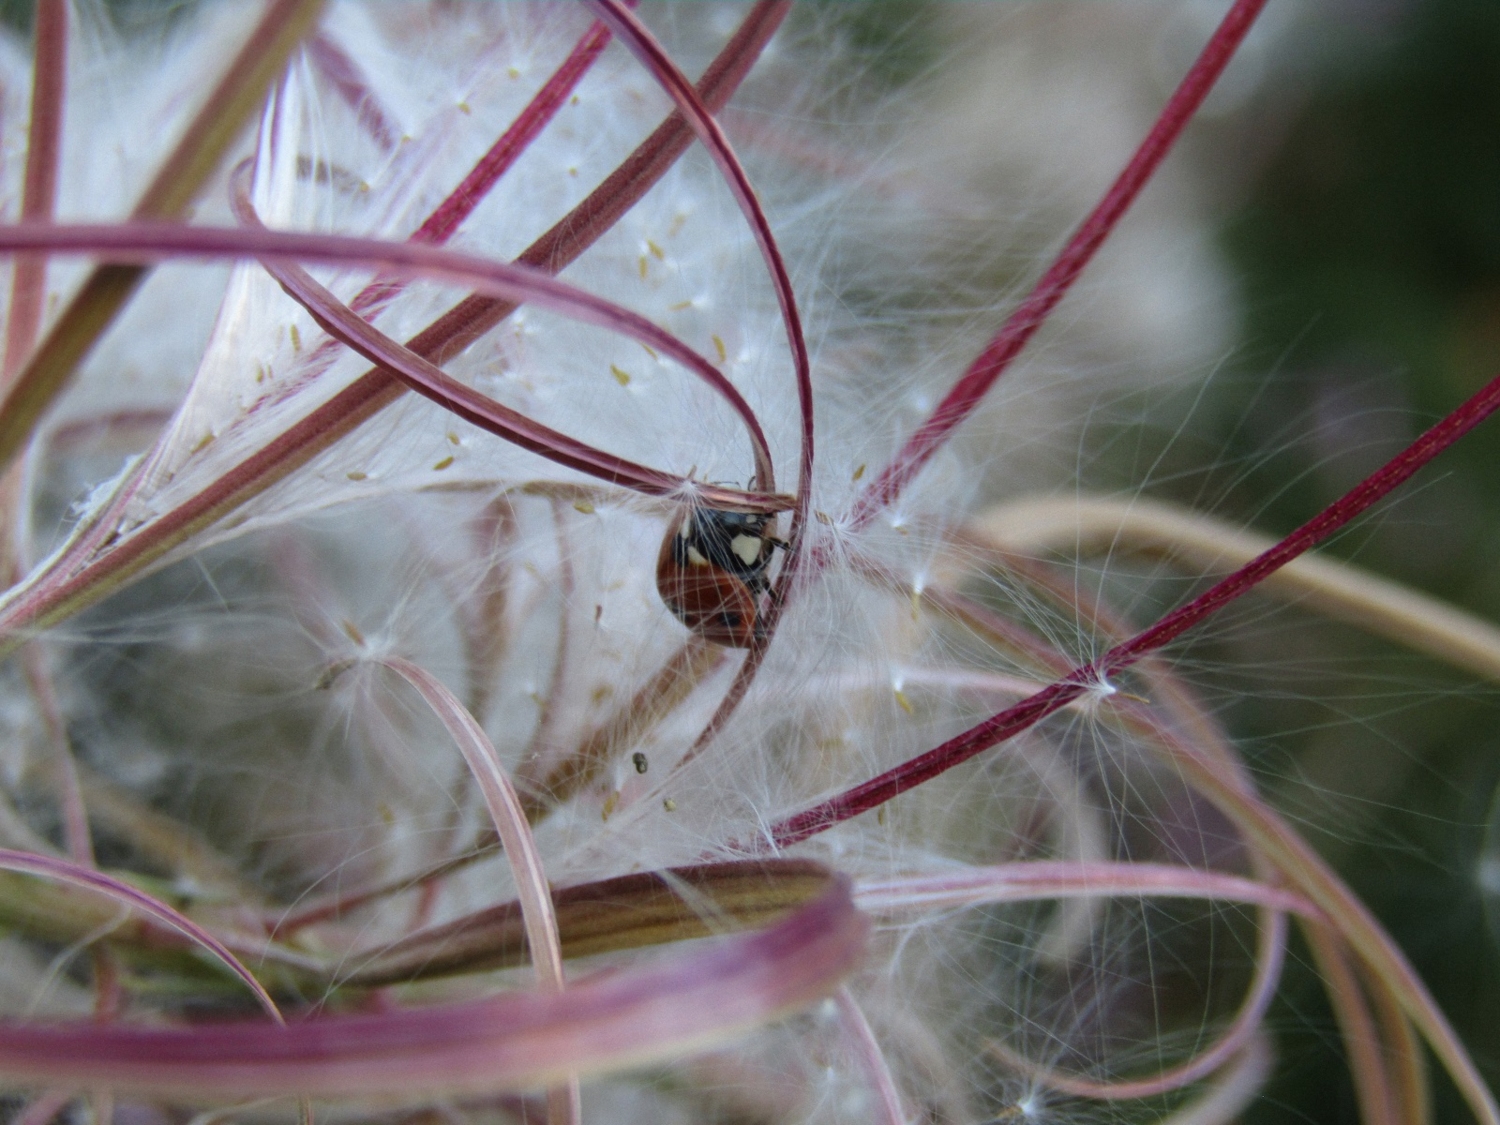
(686, 530)
(746, 548)
(695, 556)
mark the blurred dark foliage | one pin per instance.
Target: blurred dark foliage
(125, 16)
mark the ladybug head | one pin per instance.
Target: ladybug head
(712, 570)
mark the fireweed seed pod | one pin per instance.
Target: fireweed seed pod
(363, 571)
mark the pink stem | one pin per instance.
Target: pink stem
(532, 889)
(872, 1059)
(1226, 1098)
(657, 1010)
(86, 878)
(353, 87)
(1022, 324)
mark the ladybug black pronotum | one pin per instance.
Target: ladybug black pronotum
(711, 573)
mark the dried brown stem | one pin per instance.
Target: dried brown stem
(1362, 1046)
(623, 913)
(49, 70)
(651, 703)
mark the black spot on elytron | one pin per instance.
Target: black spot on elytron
(730, 620)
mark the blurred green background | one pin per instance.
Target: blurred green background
(1368, 249)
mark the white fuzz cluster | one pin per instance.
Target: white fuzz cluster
(240, 741)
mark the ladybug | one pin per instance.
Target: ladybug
(712, 571)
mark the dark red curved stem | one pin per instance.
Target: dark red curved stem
(699, 117)
(281, 251)
(1022, 324)
(1028, 712)
(651, 54)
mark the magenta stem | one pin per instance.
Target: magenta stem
(656, 1011)
(1022, 324)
